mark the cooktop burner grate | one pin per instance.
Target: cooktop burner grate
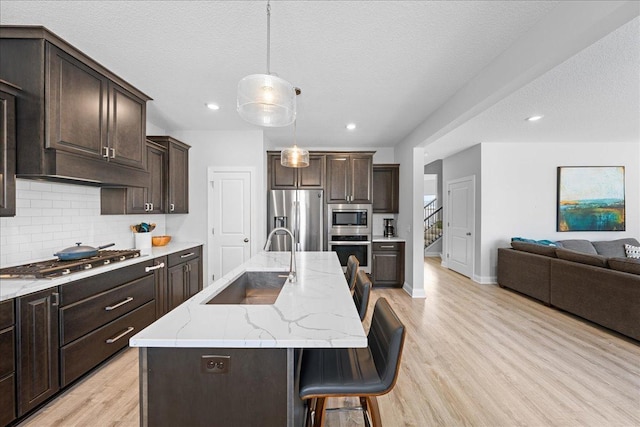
(56, 268)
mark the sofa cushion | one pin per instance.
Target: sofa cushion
(581, 257)
(614, 248)
(628, 265)
(632, 251)
(579, 245)
(534, 248)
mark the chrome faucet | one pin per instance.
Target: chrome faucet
(292, 262)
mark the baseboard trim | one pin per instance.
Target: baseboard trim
(413, 293)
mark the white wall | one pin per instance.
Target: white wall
(519, 196)
(410, 221)
(224, 149)
(52, 216)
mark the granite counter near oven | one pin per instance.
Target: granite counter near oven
(13, 288)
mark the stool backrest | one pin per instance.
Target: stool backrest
(352, 269)
(361, 293)
(386, 339)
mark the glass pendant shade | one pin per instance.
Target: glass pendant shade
(266, 100)
(294, 157)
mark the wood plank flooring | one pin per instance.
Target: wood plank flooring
(475, 355)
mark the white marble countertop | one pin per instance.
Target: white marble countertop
(316, 311)
(12, 288)
(387, 239)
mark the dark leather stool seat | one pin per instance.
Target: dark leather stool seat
(352, 269)
(362, 372)
(361, 292)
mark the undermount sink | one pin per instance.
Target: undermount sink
(252, 287)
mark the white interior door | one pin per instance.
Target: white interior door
(460, 225)
(230, 220)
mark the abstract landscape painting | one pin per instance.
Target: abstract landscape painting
(591, 198)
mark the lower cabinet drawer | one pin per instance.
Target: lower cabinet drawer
(91, 313)
(184, 256)
(82, 355)
(7, 399)
(7, 352)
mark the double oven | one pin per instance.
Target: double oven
(349, 233)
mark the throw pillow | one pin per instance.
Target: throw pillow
(632, 251)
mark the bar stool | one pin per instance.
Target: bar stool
(361, 292)
(363, 372)
(352, 268)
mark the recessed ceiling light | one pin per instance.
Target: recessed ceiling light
(212, 106)
(533, 118)
(351, 126)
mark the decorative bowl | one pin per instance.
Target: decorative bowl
(160, 240)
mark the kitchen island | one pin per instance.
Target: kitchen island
(237, 364)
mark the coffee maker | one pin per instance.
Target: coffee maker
(388, 227)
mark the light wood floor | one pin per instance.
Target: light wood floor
(475, 355)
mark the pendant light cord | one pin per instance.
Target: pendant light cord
(268, 38)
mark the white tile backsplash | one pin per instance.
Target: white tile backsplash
(52, 216)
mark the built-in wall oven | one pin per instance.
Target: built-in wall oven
(349, 233)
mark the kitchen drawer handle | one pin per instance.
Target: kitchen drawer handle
(113, 153)
(172, 207)
(121, 303)
(187, 255)
(387, 246)
(116, 338)
(106, 152)
(155, 267)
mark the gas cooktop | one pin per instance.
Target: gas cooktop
(56, 268)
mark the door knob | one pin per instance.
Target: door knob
(468, 234)
(246, 239)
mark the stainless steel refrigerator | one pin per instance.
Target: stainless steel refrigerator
(301, 211)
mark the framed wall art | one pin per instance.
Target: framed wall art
(591, 198)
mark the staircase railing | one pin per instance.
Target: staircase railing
(432, 224)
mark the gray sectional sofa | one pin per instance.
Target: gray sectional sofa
(593, 280)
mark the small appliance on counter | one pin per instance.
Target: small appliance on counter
(389, 231)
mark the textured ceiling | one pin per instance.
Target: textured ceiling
(385, 65)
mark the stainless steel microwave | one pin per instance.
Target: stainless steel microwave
(349, 219)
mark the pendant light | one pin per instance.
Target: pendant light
(294, 157)
(266, 99)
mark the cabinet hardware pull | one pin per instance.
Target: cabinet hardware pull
(106, 152)
(150, 206)
(187, 255)
(146, 207)
(113, 153)
(116, 338)
(387, 246)
(155, 267)
(172, 207)
(56, 299)
(121, 303)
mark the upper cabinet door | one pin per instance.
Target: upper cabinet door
(281, 177)
(127, 128)
(76, 106)
(7, 153)
(312, 177)
(361, 168)
(386, 182)
(178, 179)
(338, 190)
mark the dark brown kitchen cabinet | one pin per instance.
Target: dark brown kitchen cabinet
(349, 178)
(386, 185)
(76, 120)
(37, 371)
(388, 264)
(184, 276)
(177, 167)
(283, 178)
(140, 200)
(7, 148)
(160, 279)
(99, 314)
(7, 363)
